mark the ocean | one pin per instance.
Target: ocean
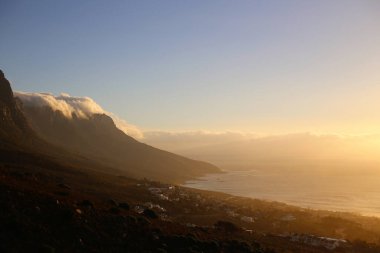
(348, 191)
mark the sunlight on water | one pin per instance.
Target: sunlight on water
(351, 192)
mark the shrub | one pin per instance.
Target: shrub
(150, 214)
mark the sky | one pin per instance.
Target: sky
(246, 66)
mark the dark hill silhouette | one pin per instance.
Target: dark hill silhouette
(99, 139)
(14, 129)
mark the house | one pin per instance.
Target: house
(247, 219)
(326, 242)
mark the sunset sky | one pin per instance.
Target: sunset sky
(248, 66)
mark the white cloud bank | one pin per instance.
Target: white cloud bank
(305, 150)
(83, 107)
(178, 141)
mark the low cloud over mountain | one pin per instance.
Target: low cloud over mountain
(81, 107)
(81, 126)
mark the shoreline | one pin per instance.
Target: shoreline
(195, 184)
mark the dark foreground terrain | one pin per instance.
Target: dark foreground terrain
(49, 207)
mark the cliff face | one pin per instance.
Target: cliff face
(6, 94)
(13, 124)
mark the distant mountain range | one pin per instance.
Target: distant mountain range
(96, 138)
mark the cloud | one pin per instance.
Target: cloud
(83, 107)
(223, 148)
(177, 141)
(126, 127)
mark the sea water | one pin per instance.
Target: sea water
(357, 192)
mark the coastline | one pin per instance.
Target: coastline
(215, 183)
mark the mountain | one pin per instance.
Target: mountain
(98, 138)
(14, 129)
(20, 144)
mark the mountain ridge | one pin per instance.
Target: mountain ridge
(14, 128)
(98, 137)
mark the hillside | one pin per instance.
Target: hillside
(50, 207)
(98, 138)
(94, 140)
